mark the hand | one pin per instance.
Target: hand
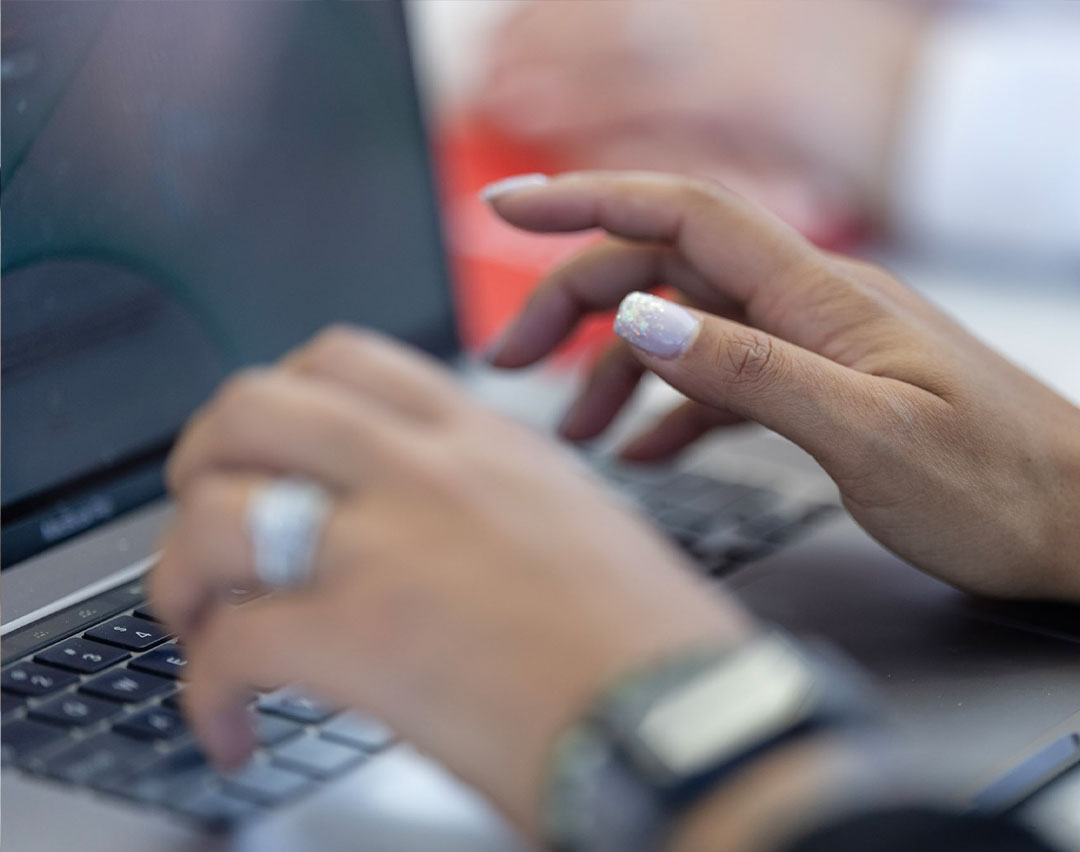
(792, 104)
(944, 451)
(473, 587)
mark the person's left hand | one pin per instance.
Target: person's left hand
(473, 587)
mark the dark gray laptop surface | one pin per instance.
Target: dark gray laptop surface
(189, 188)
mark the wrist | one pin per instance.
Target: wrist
(668, 736)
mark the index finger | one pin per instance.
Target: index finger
(748, 254)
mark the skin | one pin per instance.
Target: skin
(476, 588)
(437, 574)
(945, 452)
(759, 95)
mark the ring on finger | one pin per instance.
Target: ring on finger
(285, 521)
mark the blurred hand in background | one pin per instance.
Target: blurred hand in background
(791, 104)
(951, 125)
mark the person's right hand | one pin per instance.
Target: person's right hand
(944, 451)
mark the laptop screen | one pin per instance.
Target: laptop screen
(187, 188)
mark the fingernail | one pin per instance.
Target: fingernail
(655, 325)
(512, 184)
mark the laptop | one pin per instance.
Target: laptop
(189, 188)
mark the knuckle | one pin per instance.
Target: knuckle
(203, 508)
(333, 344)
(336, 428)
(747, 357)
(242, 394)
(204, 497)
(698, 195)
(241, 404)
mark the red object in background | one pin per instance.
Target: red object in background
(495, 266)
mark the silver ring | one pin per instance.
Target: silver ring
(285, 521)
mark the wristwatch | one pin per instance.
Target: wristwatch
(665, 735)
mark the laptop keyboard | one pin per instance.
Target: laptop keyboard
(90, 695)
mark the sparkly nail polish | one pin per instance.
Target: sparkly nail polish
(511, 184)
(660, 327)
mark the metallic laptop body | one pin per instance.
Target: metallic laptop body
(192, 187)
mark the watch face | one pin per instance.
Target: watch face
(742, 701)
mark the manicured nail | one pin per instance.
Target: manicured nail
(512, 184)
(656, 325)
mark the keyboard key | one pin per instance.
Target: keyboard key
(265, 785)
(96, 756)
(172, 701)
(74, 711)
(271, 730)
(23, 738)
(154, 723)
(356, 730)
(35, 679)
(728, 544)
(81, 655)
(772, 526)
(125, 685)
(215, 808)
(296, 706)
(166, 779)
(128, 632)
(143, 611)
(42, 633)
(317, 758)
(10, 705)
(683, 518)
(168, 661)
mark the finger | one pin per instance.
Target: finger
(206, 553)
(745, 253)
(721, 235)
(815, 402)
(596, 279)
(258, 645)
(610, 383)
(377, 367)
(275, 423)
(679, 428)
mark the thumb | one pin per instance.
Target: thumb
(809, 399)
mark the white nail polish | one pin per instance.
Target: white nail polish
(659, 327)
(512, 184)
